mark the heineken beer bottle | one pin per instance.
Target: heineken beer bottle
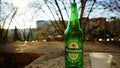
(73, 40)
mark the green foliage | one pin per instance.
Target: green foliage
(88, 37)
(117, 38)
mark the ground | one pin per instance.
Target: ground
(51, 54)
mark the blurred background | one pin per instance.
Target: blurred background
(39, 20)
(31, 29)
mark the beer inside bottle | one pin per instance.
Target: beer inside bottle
(73, 40)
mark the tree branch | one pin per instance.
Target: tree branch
(60, 14)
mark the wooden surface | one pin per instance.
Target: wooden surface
(46, 62)
(53, 52)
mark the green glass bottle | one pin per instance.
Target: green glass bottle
(73, 40)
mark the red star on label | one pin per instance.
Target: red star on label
(73, 45)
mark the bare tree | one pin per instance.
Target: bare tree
(83, 4)
(4, 36)
(56, 23)
(16, 36)
(112, 6)
(63, 23)
(87, 21)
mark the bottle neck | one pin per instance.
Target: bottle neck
(73, 21)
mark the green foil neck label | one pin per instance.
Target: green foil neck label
(73, 51)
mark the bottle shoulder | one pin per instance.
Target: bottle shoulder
(73, 32)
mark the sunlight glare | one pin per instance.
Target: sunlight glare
(22, 5)
(19, 3)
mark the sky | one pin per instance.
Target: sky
(22, 18)
(28, 14)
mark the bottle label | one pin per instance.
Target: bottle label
(73, 51)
